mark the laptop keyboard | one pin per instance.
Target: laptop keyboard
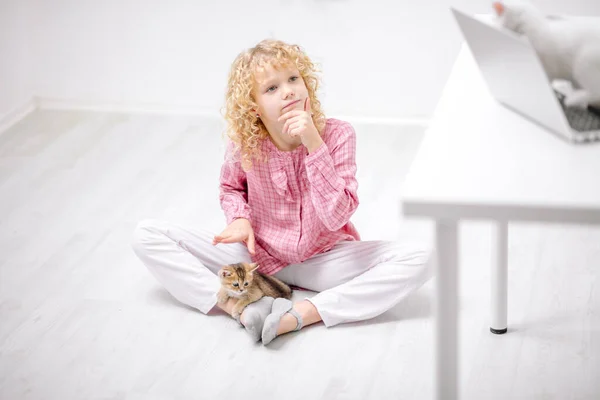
(580, 119)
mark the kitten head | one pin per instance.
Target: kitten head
(237, 278)
(518, 16)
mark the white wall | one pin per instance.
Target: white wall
(380, 58)
(15, 62)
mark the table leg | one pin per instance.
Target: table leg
(499, 294)
(446, 311)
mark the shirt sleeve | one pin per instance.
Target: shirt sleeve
(331, 172)
(233, 189)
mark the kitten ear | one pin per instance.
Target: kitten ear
(499, 7)
(223, 273)
(254, 267)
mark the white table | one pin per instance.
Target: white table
(479, 160)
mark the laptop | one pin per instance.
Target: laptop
(516, 78)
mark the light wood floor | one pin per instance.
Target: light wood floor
(81, 318)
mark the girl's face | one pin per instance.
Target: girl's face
(276, 92)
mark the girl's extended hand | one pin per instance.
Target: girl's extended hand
(239, 230)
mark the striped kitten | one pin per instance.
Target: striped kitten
(241, 281)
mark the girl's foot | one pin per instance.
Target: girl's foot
(254, 315)
(281, 306)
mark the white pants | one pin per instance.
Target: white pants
(356, 280)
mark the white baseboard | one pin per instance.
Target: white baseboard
(59, 104)
(17, 114)
(62, 104)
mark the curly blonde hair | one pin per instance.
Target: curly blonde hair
(244, 128)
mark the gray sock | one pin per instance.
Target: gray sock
(255, 314)
(280, 307)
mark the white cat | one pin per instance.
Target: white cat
(569, 49)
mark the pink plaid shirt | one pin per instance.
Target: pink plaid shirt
(298, 204)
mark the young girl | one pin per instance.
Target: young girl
(288, 189)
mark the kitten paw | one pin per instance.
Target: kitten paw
(236, 312)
